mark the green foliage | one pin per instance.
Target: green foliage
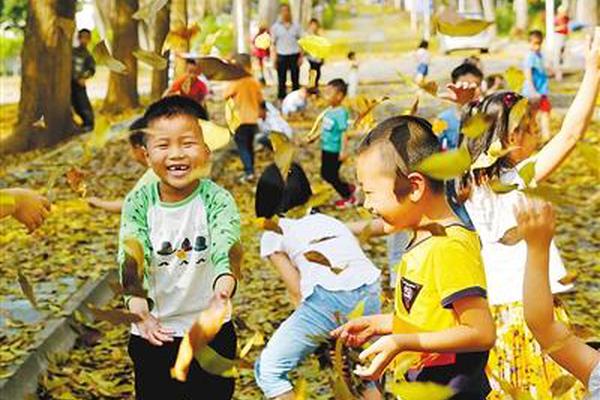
(505, 19)
(328, 15)
(13, 13)
(211, 24)
(10, 49)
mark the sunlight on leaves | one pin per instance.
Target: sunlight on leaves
(446, 165)
(103, 57)
(316, 46)
(421, 390)
(150, 58)
(514, 79)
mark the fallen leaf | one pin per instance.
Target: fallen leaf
(446, 165)
(421, 390)
(76, 182)
(316, 46)
(283, 152)
(476, 125)
(256, 340)
(591, 155)
(562, 385)
(103, 57)
(26, 288)
(514, 79)
(569, 278)
(317, 258)
(114, 316)
(300, 389)
(511, 237)
(150, 58)
(516, 393)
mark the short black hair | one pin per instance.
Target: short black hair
(339, 84)
(136, 132)
(84, 30)
(466, 69)
(315, 21)
(536, 33)
(424, 44)
(351, 55)
(408, 140)
(171, 106)
(275, 196)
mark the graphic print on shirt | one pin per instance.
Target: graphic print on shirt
(166, 252)
(410, 291)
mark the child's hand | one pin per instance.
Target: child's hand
(536, 220)
(31, 208)
(383, 352)
(592, 54)
(95, 202)
(149, 327)
(357, 332)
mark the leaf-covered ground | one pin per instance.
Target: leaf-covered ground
(78, 244)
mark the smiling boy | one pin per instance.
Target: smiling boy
(186, 226)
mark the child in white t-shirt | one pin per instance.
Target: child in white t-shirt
(319, 291)
(271, 120)
(295, 102)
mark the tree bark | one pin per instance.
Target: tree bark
(161, 29)
(520, 7)
(587, 12)
(179, 23)
(122, 89)
(241, 18)
(267, 12)
(46, 77)
(489, 14)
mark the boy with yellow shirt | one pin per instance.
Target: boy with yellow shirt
(440, 303)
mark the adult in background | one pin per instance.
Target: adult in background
(286, 51)
(84, 67)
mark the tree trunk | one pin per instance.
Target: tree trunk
(122, 89)
(161, 29)
(489, 14)
(46, 77)
(520, 7)
(306, 13)
(179, 23)
(267, 12)
(587, 12)
(241, 18)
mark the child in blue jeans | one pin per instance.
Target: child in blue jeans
(319, 292)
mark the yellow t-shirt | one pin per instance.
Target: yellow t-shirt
(432, 275)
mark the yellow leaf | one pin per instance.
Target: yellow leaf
(562, 385)
(358, 311)
(300, 390)
(269, 224)
(527, 172)
(210, 41)
(314, 131)
(236, 259)
(215, 364)
(283, 152)
(476, 125)
(421, 390)
(317, 258)
(256, 340)
(591, 155)
(364, 108)
(439, 126)
(341, 391)
(430, 87)
(99, 136)
(7, 200)
(150, 58)
(316, 46)
(103, 57)
(547, 193)
(218, 69)
(451, 23)
(114, 316)
(516, 114)
(514, 79)
(231, 116)
(569, 278)
(511, 237)
(446, 165)
(215, 136)
(75, 179)
(403, 362)
(263, 41)
(134, 249)
(148, 11)
(26, 288)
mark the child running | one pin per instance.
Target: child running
(334, 144)
(536, 223)
(319, 292)
(186, 226)
(516, 357)
(440, 305)
(422, 57)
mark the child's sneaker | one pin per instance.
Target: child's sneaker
(248, 178)
(346, 203)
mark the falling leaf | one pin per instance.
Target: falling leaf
(414, 109)
(300, 389)
(562, 385)
(569, 278)
(148, 11)
(314, 132)
(316, 46)
(232, 117)
(527, 172)
(283, 152)
(76, 182)
(439, 126)
(134, 249)
(547, 193)
(150, 58)
(341, 391)
(403, 362)
(103, 57)
(365, 108)
(7, 200)
(513, 391)
(591, 155)
(132, 270)
(26, 288)
(511, 237)
(236, 259)
(434, 228)
(317, 257)
(114, 316)
(269, 224)
(177, 39)
(450, 23)
(215, 136)
(493, 153)
(421, 390)
(430, 87)
(218, 69)
(256, 340)
(476, 125)
(214, 363)
(499, 187)
(516, 114)
(514, 79)
(358, 311)
(263, 41)
(446, 165)
(210, 41)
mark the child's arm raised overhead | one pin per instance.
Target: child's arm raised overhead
(578, 117)
(290, 275)
(536, 222)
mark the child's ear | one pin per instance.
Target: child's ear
(418, 184)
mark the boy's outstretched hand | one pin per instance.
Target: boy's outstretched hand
(29, 208)
(149, 327)
(358, 331)
(536, 221)
(382, 353)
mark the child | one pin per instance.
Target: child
(352, 75)
(247, 95)
(516, 358)
(317, 292)
(315, 63)
(83, 68)
(536, 223)
(138, 153)
(189, 85)
(536, 81)
(440, 306)
(24, 205)
(422, 57)
(295, 102)
(334, 142)
(186, 226)
(561, 34)
(272, 121)
(261, 54)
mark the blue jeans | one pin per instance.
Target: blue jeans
(292, 341)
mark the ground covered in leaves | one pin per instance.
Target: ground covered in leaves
(78, 244)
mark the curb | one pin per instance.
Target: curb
(58, 335)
